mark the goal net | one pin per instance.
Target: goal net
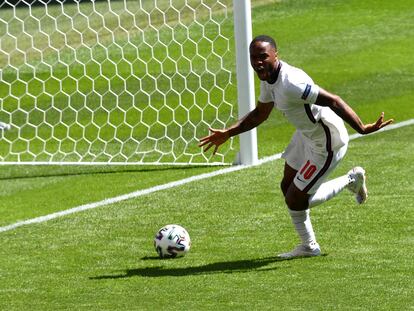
(128, 81)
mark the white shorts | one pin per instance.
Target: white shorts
(313, 167)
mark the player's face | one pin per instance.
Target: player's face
(263, 58)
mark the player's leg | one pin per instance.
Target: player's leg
(310, 174)
(289, 174)
(354, 181)
(309, 189)
(322, 191)
(296, 201)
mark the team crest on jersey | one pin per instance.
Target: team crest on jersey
(306, 92)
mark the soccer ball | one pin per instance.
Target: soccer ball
(172, 241)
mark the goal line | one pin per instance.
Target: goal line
(170, 185)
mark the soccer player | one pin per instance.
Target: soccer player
(317, 146)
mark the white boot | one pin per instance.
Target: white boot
(358, 185)
(310, 250)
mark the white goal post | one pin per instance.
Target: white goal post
(122, 82)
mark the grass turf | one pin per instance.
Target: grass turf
(103, 259)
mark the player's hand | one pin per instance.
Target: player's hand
(373, 127)
(216, 138)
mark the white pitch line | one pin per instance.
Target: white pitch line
(123, 197)
(169, 185)
(384, 129)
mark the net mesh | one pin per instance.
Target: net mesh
(114, 81)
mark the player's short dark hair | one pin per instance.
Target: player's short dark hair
(264, 38)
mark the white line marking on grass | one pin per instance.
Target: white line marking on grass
(124, 197)
(169, 185)
(387, 128)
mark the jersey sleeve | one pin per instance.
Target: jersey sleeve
(265, 93)
(303, 90)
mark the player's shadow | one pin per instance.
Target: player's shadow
(239, 266)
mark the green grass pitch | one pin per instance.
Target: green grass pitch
(103, 259)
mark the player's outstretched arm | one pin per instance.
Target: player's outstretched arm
(379, 124)
(251, 120)
(342, 109)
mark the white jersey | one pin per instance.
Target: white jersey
(294, 94)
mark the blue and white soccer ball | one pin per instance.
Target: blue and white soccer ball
(172, 241)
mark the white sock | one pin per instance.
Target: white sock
(301, 221)
(328, 190)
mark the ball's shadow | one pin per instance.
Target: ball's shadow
(238, 266)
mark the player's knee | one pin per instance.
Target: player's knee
(296, 203)
(284, 186)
